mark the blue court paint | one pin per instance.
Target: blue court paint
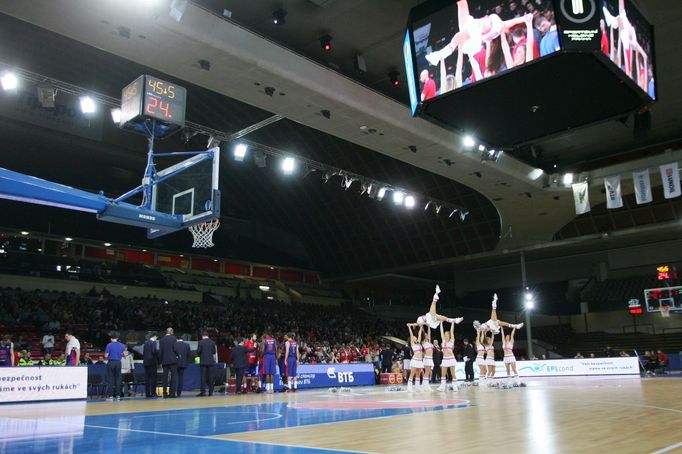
(176, 431)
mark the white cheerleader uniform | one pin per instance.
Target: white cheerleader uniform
(448, 361)
(480, 357)
(428, 360)
(509, 357)
(416, 363)
(490, 356)
(428, 319)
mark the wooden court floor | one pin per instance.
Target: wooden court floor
(553, 415)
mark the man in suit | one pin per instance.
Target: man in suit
(182, 351)
(469, 358)
(150, 361)
(240, 362)
(386, 359)
(169, 361)
(206, 351)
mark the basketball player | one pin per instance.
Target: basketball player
(269, 351)
(432, 319)
(73, 349)
(493, 325)
(6, 351)
(428, 361)
(417, 361)
(449, 361)
(480, 358)
(509, 358)
(291, 362)
(282, 363)
(252, 349)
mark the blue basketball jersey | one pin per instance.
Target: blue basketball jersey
(269, 347)
(293, 349)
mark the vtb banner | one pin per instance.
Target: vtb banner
(670, 176)
(581, 197)
(614, 197)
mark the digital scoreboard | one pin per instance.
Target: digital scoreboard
(151, 98)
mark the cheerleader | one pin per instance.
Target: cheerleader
(417, 361)
(432, 319)
(489, 344)
(449, 361)
(480, 357)
(493, 325)
(428, 361)
(509, 358)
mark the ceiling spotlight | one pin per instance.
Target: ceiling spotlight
(409, 202)
(463, 215)
(24, 232)
(398, 197)
(279, 17)
(568, 178)
(9, 81)
(452, 213)
(381, 193)
(288, 166)
(438, 208)
(468, 141)
(116, 115)
(393, 76)
(240, 152)
(68, 239)
(535, 174)
(326, 43)
(264, 288)
(87, 105)
(46, 96)
(107, 244)
(428, 204)
(530, 304)
(481, 148)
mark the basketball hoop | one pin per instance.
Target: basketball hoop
(665, 311)
(203, 233)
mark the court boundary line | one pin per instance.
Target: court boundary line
(668, 448)
(207, 437)
(462, 407)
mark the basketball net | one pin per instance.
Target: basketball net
(203, 233)
(665, 311)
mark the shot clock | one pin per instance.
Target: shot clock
(150, 98)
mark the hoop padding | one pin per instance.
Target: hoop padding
(665, 311)
(203, 233)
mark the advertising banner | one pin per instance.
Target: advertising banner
(26, 384)
(565, 367)
(334, 375)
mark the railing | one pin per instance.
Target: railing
(636, 328)
(675, 328)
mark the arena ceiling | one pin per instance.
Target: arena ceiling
(523, 212)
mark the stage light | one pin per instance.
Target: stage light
(24, 232)
(393, 76)
(481, 148)
(107, 244)
(240, 152)
(535, 174)
(279, 17)
(326, 43)
(68, 239)
(529, 296)
(381, 193)
(530, 304)
(568, 178)
(116, 115)
(409, 202)
(468, 142)
(9, 81)
(87, 105)
(288, 166)
(264, 288)
(398, 197)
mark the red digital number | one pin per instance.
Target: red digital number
(164, 108)
(152, 103)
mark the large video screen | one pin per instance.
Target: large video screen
(470, 40)
(627, 39)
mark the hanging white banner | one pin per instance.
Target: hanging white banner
(614, 198)
(642, 183)
(581, 197)
(670, 175)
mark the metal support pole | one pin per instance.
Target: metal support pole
(524, 283)
(150, 171)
